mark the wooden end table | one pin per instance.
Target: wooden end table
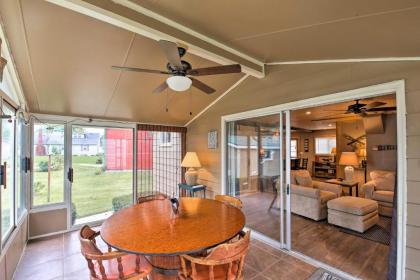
(191, 190)
(348, 184)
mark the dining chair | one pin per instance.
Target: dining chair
(111, 264)
(229, 200)
(150, 197)
(226, 261)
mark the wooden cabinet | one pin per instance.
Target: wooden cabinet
(324, 169)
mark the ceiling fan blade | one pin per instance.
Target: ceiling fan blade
(332, 118)
(171, 51)
(216, 70)
(202, 86)
(379, 109)
(374, 105)
(161, 88)
(135, 69)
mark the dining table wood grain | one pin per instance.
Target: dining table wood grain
(153, 229)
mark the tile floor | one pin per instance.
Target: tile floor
(59, 257)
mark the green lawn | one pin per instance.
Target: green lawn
(93, 189)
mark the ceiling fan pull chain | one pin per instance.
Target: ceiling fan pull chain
(166, 105)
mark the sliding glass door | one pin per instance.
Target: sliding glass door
(255, 160)
(8, 171)
(101, 172)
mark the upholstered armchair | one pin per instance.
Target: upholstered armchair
(381, 189)
(309, 197)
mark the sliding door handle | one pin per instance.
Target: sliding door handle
(3, 175)
(70, 175)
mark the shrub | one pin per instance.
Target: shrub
(99, 161)
(57, 162)
(43, 166)
(121, 202)
(38, 187)
(98, 171)
(73, 213)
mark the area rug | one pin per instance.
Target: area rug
(322, 274)
(380, 232)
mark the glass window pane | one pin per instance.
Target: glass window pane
(102, 160)
(324, 145)
(48, 161)
(7, 157)
(159, 156)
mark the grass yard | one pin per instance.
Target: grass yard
(93, 189)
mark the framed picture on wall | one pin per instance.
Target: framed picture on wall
(212, 139)
(306, 145)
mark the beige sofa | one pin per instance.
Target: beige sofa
(381, 189)
(308, 197)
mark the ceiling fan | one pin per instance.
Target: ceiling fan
(358, 109)
(180, 71)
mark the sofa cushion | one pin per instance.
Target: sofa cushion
(383, 180)
(353, 205)
(304, 180)
(386, 196)
(326, 196)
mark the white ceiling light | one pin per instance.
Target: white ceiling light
(179, 83)
(308, 112)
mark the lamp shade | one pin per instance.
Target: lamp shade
(179, 83)
(191, 160)
(348, 158)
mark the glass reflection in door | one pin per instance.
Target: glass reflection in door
(253, 171)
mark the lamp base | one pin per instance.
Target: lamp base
(348, 173)
(191, 176)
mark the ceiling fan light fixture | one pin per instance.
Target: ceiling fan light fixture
(179, 83)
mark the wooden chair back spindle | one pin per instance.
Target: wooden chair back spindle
(228, 256)
(96, 258)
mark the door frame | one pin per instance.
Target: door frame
(397, 87)
(68, 161)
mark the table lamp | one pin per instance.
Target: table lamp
(191, 162)
(349, 159)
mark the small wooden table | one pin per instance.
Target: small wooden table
(348, 184)
(191, 190)
(152, 229)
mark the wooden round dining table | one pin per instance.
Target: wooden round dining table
(154, 230)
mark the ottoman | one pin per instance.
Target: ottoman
(355, 213)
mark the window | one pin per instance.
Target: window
(7, 158)
(324, 145)
(165, 138)
(48, 164)
(293, 148)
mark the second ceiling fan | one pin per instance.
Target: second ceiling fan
(358, 109)
(180, 71)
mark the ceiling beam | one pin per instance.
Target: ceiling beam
(135, 18)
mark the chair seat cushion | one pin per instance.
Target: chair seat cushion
(386, 196)
(353, 205)
(129, 267)
(219, 271)
(326, 196)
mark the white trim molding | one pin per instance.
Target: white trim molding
(348, 60)
(217, 99)
(397, 87)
